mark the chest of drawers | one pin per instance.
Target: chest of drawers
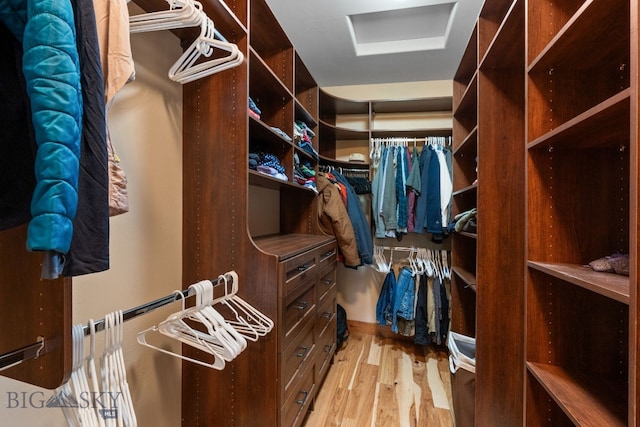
(306, 331)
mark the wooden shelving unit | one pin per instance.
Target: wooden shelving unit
(488, 134)
(564, 102)
(279, 272)
(581, 155)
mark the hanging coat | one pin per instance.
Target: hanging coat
(334, 220)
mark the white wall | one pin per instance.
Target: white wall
(145, 243)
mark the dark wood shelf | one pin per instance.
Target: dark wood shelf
(469, 100)
(303, 114)
(331, 106)
(606, 124)
(410, 133)
(306, 90)
(469, 235)
(491, 18)
(230, 22)
(610, 285)
(344, 164)
(587, 401)
(504, 50)
(304, 155)
(259, 130)
(262, 76)
(469, 145)
(271, 43)
(468, 189)
(412, 105)
(337, 133)
(469, 62)
(265, 181)
(574, 46)
(466, 276)
(286, 246)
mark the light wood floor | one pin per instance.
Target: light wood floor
(379, 381)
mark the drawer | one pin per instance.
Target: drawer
(327, 254)
(297, 307)
(296, 270)
(296, 405)
(325, 349)
(326, 315)
(326, 284)
(297, 358)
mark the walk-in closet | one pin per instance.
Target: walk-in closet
(265, 213)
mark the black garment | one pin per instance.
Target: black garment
(422, 317)
(444, 315)
(89, 252)
(360, 185)
(17, 138)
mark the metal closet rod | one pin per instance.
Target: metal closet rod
(35, 350)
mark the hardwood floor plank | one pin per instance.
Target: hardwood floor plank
(408, 392)
(387, 411)
(382, 380)
(360, 404)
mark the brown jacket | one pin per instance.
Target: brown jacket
(334, 220)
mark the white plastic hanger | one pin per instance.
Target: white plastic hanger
(219, 331)
(181, 14)
(129, 414)
(92, 373)
(241, 317)
(175, 327)
(258, 320)
(187, 68)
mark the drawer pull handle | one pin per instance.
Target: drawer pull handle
(327, 281)
(303, 305)
(304, 352)
(303, 267)
(327, 254)
(328, 347)
(327, 314)
(304, 399)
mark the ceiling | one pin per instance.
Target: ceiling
(378, 41)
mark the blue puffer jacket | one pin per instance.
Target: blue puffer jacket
(51, 70)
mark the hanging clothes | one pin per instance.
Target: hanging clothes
(403, 300)
(402, 173)
(112, 23)
(359, 221)
(389, 195)
(413, 187)
(50, 65)
(17, 138)
(89, 250)
(446, 187)
(334, 220)
(384, 306)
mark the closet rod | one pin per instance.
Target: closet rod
(340, 168)
(35, 350)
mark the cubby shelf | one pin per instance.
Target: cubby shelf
(586, 401)
(606, 124)
(610, 285)
(595, 23)
(467, 277)
(467, 189)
